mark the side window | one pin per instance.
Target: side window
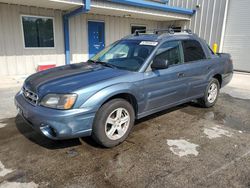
(170, 51)
(192, 51)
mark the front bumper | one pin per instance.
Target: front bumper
(56, 124)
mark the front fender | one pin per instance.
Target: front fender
(96, 100)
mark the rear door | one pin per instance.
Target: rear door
(197, 67)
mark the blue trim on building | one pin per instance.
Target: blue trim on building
(66, 17)
(66, 39)
(138, 3)
(154, 5)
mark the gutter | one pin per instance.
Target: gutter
(83, 9)
(154, 5)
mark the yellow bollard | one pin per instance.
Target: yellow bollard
(215, 46)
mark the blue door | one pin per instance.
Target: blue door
(96, 36)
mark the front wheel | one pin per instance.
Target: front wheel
(211, 94)
(113, 122)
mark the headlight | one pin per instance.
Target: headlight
(59, 101)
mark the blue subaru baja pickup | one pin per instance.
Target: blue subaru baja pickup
(134, 77)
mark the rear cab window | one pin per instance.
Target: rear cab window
(192, 51)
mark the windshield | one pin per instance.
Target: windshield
(125, 54)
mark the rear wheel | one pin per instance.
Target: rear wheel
(113, 122)
(211, 94)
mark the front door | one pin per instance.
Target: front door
(166, 87)
(96, 37)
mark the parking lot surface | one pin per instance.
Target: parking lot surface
(185, 146)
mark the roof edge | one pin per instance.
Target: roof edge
(154, 5)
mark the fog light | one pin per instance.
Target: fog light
(48, 131)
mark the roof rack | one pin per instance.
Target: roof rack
(157, 31)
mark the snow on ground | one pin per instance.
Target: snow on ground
(216, 132)
(4, 171)
(18, 185)
(182, 147)
(2, 125)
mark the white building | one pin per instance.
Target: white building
(57, 32)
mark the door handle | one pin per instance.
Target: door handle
(180, 74)
(209, 67)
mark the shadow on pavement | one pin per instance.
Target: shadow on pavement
(161, 113)
(41, 140)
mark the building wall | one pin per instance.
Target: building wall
(14, 58)
(115, 28)
(207, 21)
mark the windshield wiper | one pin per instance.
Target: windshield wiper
(90, 61)
(102, 63)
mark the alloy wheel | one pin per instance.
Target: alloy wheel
(212, 93)
(117, 123)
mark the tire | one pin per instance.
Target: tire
(113, 122)
(209, 98)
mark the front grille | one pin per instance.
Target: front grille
(30, 96)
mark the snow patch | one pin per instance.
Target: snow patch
(216, 132)
(182, 147)
(2, 125)
(4, 171)
(6, 184)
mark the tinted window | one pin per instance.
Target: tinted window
(169, 51)
(38, 31)
(192, 51)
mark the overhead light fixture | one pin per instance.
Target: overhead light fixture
(66, 2)
(127, 16)
(198, 6)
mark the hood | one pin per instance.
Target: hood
(66, 79)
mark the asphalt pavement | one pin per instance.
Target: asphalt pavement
(185, 146)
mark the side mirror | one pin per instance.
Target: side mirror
(159, 63)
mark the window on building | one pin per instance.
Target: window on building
(38, 32)
(192, 51)
(176, 29)
(170, 51)
(134, 28)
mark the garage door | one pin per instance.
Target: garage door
(237, 34)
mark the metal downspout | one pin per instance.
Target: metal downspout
(85, 8)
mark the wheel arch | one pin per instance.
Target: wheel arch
(126, 96)
(124, 91)
(219, 78)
